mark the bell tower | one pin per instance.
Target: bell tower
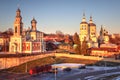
(83, 29)
(92, 30)
(33, 24)
(18, 25)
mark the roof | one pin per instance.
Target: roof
(33, 21)
(91, 24)
(110, 45)
(18, 10)
(83, 23)
(105, 49)
(118, 47)
(33, 31)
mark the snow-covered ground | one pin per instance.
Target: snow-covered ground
(118, 78)
(76, 66)
(66, 65)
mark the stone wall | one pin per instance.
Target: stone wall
(11, 62)
(87, 57)
(78, 56)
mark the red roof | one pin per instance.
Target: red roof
(105, 49)
(119, 47)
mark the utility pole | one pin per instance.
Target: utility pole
(105, 67)
(55, 66)
(26, 64)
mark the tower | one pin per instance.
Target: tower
(92, 30)
(33, 29)
(104, 35)
(16, 39)
(18, 25)
(33, 24)
(83, 29)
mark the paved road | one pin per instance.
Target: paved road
(82, 76)
(71, 75)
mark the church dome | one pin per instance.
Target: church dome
(83, 23)
(91, 24)
(33, 21)
(18, 10)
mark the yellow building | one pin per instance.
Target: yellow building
(104, 37)
(92, 30)
(83, 29)
(87, 30)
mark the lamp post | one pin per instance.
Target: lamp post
(55, 67)
(105, 67)
(26, 64)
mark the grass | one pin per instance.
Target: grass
(50, 60)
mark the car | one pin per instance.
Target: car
(67, 69)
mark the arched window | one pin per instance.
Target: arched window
(16, 29)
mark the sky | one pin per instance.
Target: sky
(63, 15)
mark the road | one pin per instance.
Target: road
(82, 76)
(72, 75)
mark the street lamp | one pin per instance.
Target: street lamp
(26, 64)
(55, 67)
(105, 66)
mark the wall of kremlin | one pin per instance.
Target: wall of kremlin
(15, 61)
(10, 62)
(87, 57)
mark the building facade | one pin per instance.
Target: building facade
(4, 43)
(87, 30)
(29, 41)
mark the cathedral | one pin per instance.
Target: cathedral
(26, 41)
(88, 33)
(87, 30)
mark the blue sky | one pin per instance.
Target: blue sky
(63, 15)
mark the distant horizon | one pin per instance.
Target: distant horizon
(63, 15)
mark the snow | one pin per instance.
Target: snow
(66, 65)
(118, 78)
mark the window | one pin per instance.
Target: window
(16, 29)
(83, 28)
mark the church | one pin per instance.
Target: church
(26, 41)
(88, 31)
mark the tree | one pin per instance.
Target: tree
(84, 47)
(60, 35)
(77, 43)
(67, 38)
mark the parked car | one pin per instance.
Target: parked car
(82, 67)
(67, 69)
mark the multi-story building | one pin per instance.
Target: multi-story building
(29, 41)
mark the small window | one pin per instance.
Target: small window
(16, 29)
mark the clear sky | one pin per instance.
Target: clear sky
(63, 15)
